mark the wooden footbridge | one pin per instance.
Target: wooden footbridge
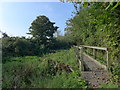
(92, 71)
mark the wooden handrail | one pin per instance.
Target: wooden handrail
(81, 47)
(94, 47)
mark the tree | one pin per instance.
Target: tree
(22, 47)
(42, 30)
(5, 35)
(7, 46)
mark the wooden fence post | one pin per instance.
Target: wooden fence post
(79, 57)
(107, 59)
(94, 53)
(82, 66)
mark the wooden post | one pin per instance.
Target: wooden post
(94, 53)
(87, 50)
(79, 57)
(82, 66)
(107, 59)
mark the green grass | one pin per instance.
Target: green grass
(63, 56)
(35, 72)
(110, 85)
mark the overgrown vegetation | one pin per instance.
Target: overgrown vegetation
(98, 25)
(45, 61)
(37, 72)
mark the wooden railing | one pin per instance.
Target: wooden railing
(79, 54)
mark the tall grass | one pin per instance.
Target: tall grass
(63, 56)
(34, 72)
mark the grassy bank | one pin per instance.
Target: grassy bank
(36, 72)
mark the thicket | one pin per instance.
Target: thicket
(16, 46)
(98, 25)
(21, 46)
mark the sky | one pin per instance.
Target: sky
(16, 17)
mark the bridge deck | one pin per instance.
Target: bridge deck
(96, 78)
(95, 73)
(92, 64)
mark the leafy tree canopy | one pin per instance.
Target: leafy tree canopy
(42, 29)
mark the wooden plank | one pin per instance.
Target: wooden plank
(95, 78)
(94, 47)
(92, 63)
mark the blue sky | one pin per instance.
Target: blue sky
(16, 17)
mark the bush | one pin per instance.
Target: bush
(16, 46)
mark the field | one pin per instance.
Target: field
(36, 72)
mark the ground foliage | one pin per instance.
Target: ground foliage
(97, 25)
(38, 72)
